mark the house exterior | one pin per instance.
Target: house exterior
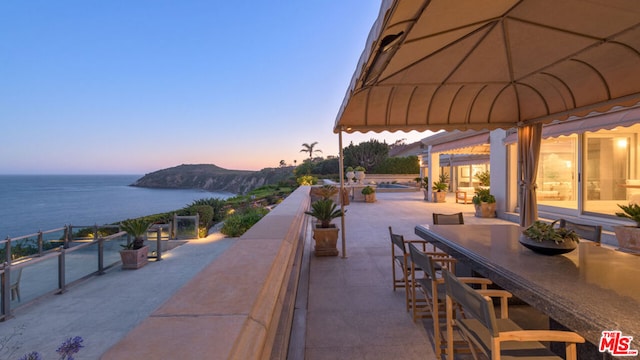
(587, 165)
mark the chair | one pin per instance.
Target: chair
(589, 232)
(465, 194)
(400, 258)
(15, 284)
(448, 219)
(432, 288)
(497, 337)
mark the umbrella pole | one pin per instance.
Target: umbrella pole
(341, 172)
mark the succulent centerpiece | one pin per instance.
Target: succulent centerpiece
(546, 238)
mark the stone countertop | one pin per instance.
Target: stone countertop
(589, 290)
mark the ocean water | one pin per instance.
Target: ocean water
(29, 203)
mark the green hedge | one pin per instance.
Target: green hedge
(398, 165)
(240, 221)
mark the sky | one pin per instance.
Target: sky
(135, 86)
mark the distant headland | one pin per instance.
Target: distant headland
(213, 178)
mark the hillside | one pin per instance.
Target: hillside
(213, 178)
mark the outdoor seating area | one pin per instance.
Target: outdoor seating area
(352, 310)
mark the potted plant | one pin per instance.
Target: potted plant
(325, 233)
(423, 183)
(369, 194)
(440, 188)
(359, 174)
(350, 174)
(484, 203)
(134, 254)
(484, 178)
(545, 238)
(629, 236)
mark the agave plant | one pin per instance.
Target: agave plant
(540, 231)
(631, 211)
(136, 228)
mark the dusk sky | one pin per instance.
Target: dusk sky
(134, 86)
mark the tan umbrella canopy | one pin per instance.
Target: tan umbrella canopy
(487, 64)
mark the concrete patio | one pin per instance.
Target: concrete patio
(352, 311)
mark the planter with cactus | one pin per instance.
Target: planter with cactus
(134, 254)
(325, 233)
(440, 188)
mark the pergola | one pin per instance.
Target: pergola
(489, 64)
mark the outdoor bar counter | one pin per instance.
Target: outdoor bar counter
(589, 290)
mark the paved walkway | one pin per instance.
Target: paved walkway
(103, 309)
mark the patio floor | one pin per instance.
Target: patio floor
(352, 311)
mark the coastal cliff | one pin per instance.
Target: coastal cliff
(213, 178)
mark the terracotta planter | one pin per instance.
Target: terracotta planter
(134, 259)
(485, 210)
(370, 198)
(628, 238)
(439, 196)
(326, 241)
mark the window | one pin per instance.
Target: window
(611, 169)
(557, 172)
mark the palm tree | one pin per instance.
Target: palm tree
(309, 148)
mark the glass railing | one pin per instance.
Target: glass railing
(47, 262)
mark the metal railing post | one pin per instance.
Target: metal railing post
(5, 280)
(175, 226)
(39, 242)
(7, 250)
(62, 283)
(100, 255)
(159, 243)
(68, 237)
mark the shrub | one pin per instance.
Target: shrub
(239, 222)
(216, 204)
(307, 180)
(484, 177)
